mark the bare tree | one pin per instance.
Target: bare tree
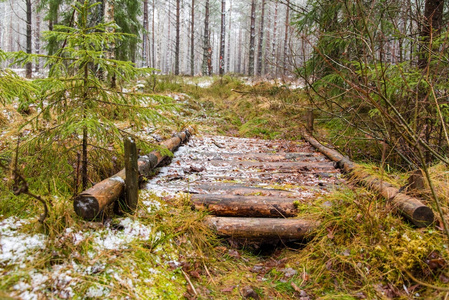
(29, 36)
(221, 64)
(287, 14)
(228, 58)
(207, 49)
(252, 38)
(153, 53)
(177, 28)
(273, 43)
(260, 49)
(192, 40)
(145, 47)
(37, 35)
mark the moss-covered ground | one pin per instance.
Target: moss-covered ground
(362, 250)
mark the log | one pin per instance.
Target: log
(239, 189)
(245, 206)
(90, 203)
(412, 208)
(262, 228)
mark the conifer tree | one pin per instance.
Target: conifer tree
(78, 112)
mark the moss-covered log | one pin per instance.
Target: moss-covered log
(262, 228)
(245, 206)
(410, 207)
(92, 201)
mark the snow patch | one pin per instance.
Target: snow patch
(15, 247)
(113, 240)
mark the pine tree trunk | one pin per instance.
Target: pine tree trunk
(228, 58)
(37, 36)
(168, 60)
(29, 37)
(178, 24)
(153, 54)
(273, 42)
(207, 50)
(192, 40)
(252, 39)
(433, 18)
(239, 54)
(221, 64)
(287, 14)
(109, 18)
(145, 35)
(260, 49)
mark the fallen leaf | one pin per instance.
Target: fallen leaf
(228, 289)
(295, 287)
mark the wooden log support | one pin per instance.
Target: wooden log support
(245, 206)
(262, 228)
(131, 175)
(92, 201)
(412, 208)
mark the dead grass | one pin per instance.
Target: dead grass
(361, 250)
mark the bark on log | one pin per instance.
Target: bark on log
(262, 228)
(90, 203)
(412, 208)
(245, 206)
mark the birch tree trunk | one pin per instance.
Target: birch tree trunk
(260, 49)
(252, 39)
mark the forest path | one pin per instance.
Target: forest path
(248, 177)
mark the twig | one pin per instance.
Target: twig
(440, 288)
(217, 144)
(190, 283)
(207, 271)
(240, 92)
(21, 186)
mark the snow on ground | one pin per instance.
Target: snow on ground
(18, 251)
(202, 82)
(17, 247)
(193, 163)
(203, 160)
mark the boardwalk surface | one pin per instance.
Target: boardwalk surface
(244, 171)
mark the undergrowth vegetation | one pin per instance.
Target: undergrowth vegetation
(362, 250)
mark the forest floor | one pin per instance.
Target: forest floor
(361, 250)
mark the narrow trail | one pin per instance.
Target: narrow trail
(248, 177)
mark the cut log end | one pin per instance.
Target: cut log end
(423, 216)
(86, 206)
